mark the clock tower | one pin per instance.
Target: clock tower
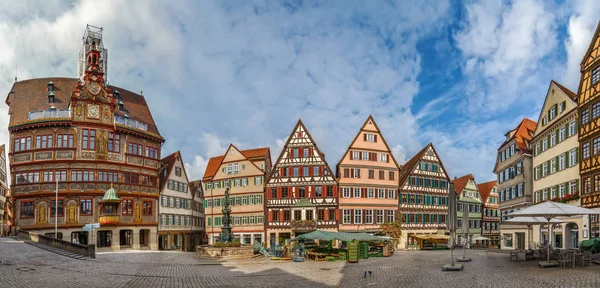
(92, 102)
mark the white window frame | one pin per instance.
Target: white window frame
(552, 165)
(537, 196)
(553, 140)
(544, 169)
(537, 148)
(356, 155)
(391, 193)
(562, 134)
(244, 182)
(562, 190)
(391, 216)
(356, 172)
(370, 137)
(573, 186)
(552, 192)
(383, 157)
(380, 193)
(357, 193)
(368, 216)
(561, 162)
(365, 156)
(572, 130)
(544, 144)
(573, 157)
(346, 192)
(357, 216)
(380, 216)
(370, 192)
(236, 168)
(347, 216)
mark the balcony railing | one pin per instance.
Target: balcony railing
(131, 123)
(109, 219)
(48, 114)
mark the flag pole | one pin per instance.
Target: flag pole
(56, 209)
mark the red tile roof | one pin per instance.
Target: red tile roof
(214, 163)
(461, 182)
(523, 134)
(485, 189)
(31, 95)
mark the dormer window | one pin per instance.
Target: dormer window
(121, 108)
(50, 97)
(117, 95)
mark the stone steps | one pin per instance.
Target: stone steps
(56, 250)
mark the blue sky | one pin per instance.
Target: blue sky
(458, 74)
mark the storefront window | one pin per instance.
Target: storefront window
(508, 240)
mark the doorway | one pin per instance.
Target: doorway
(144, 237)
(520, 240)
(104, 239)
(79, 237)
(125, 238)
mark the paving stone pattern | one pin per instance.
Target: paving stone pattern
(23, 265)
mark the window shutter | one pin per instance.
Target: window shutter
(346, 172)
(567, 159)
(577, 155)
(300, 152)
(577, 185)
(365, 136)
(387, 159)
(351, 155)
(363, 192)
(352, 173)
(310, 152)
(375, 138)
(358, 173)
(254, 180)
(568, 188)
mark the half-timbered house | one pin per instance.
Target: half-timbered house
(301, 191)
(588, 98)
(367, 175)
(423, 199)
(490, 217)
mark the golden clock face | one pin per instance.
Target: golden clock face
(93, 111)
(94, 88)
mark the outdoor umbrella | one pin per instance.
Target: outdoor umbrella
(550, 210)
(481, 238)
(530, 221)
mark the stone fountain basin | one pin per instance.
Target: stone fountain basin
(208, 251)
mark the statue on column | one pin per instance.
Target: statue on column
(226, 235)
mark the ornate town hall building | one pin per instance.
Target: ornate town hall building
(98, 143)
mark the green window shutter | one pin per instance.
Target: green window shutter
(577, 155)
(209, 220)
(557, 164)
(567, 159)
(577, 185)
(567, 188)
(254, 180)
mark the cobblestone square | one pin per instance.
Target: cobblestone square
(22, 265)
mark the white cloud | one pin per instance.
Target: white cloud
(246, 71)
(581, 27)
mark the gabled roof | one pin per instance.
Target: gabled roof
(251, 154)
(523, 134)
(380, 134)
(485, 189)
(592, 43)
(568, 92)
(410, 166)
(195, 186)
(461, 182)
(168, 163)
(316, 148)
(31, 95)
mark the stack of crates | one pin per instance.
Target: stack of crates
(342, 256)
(364, 250)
